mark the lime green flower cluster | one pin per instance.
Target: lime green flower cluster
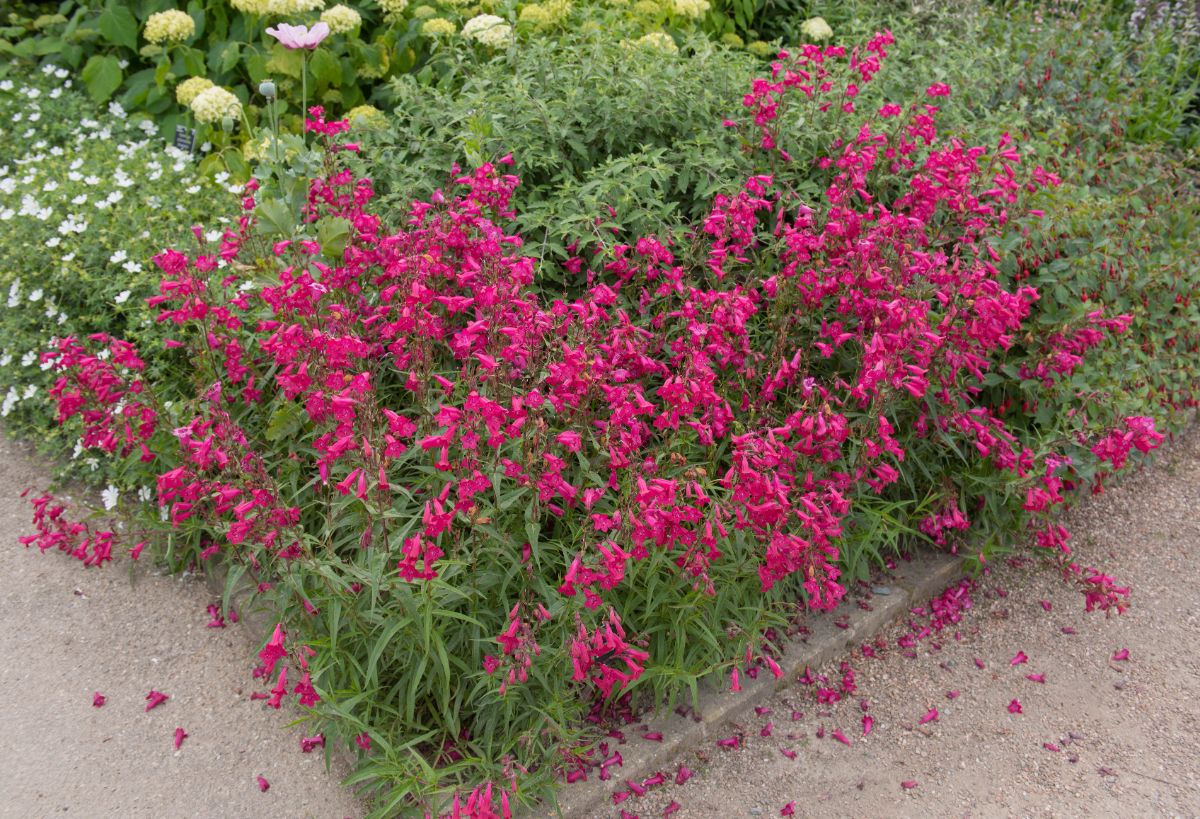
(341, 19)
(171, 26)
(547, 16)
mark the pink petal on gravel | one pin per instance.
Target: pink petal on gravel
(635, 787)
(1019, 659)
(619, 796)
(155, 699)
(1050, 746)
(1037, 678)
(821, 732)
(979, 663)
(797, 716)
(1014, 707)
(766, 730)
(263, 785)
(839, 736)
(728, 742)
(930, 716)
(1123, 654)
(654, 781)
(868, 724)
(762, 712)
(1046, 604)
(952, 695)
(788, 810)
(1068, 630)
(180, 736)
(653, 736)
(787, 753)
(685, 773)
(98, 700)
(908, 784)
(671, 808)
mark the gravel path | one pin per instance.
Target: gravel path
(67, 632)
(1127, 731)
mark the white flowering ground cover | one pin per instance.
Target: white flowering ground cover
(83, 200)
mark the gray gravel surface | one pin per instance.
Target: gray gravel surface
(67, 631)
(1127, 732)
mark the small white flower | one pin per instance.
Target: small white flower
(123, 64)
(164, 513)
(92, 463)
(69, 257)
(10, 401)
(54, 241)
(194, 189)
(36, 295)
(29, 358)
(132, 267)
(81, 199)
(110, 496)
(78, 449)
(118, 257)
(6, 85)
(61, 73)
(122, 297)
(30, 391)
(214, 235)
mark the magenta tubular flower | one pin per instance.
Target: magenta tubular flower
(180, 736)
(98, 700)
(294, 37)
(155, 699)
(263, 784)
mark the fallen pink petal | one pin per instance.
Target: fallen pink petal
(263, 784)
(180, 736)
(1121, 655)
(930, 716)
(672, 808)
(979, 663)
(1037, 678)
(1019, 659)
(868, 723)
(653, 736)
(685, 773)
(908, 784)
(952, 695)
(839, 736)
(1050, 746)
(155, 699)
(308, 743)
(1014, 707)
(788, 810)
(98, 700)
(789, 754)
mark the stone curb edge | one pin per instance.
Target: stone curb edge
(912, 583)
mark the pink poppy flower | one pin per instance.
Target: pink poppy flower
(293, 37)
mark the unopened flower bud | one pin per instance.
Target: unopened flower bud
(267, 89)
(227, 124)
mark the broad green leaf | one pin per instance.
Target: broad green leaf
(119, 26)
(102, 75)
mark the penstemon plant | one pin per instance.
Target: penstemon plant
(490, 515)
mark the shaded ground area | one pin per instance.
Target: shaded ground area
(1127, 732)
(67, 632)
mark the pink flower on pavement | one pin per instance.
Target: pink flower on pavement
(1123, 654)
(1019, 658)
(308, 743)
(180, 736)
(98, 700)
(294, 37)
(1014, 707)
(263, 784)
(155, 699)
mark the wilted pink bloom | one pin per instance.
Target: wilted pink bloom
(788, 810)
(1068, 630)
(728, 742)
(952, 695)
(671, 808)
(908, 784)
(868, 724)
(308, 743)
(263, 784)
(734, 683)
(293, 37)
(979, 663)
(619, 796)
(1050, 746)
(136, 551)
(1019, 658)
(1037, 678)
(180, 736)
(1046, 604)
(1014, 707)
(635, 788)
(766, 730)
(684, 775)
(787, 753)
(155, 699)
(653, 736)
(1123, 654)
(654, 781)
(98, 700)
(839, 736)
(797, 716)
(930, 716)
(820, 732)
(762, 712)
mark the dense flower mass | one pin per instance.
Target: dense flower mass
(341, 19)
(189, 89)
(171, 26)
(438, 27)
(658, 40)
(213, 104)
(695, 9)
(489, 30)
(816, 29)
